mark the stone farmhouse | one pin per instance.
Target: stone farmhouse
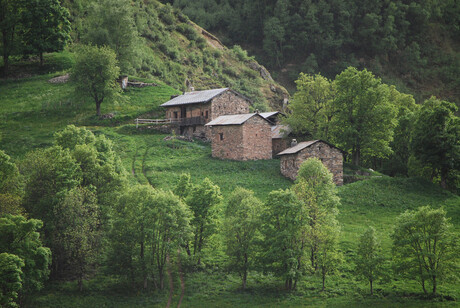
(331, 156)
(241, 137)
(192, 110)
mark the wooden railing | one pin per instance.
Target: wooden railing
(181, 121)
(156, 121)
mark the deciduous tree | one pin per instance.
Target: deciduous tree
(436, 137)
(241, 227)
(425, 247)
(365, 117)
(285, 231)
(10, 279)
(370, 259)
(45, 25)
(95, 73)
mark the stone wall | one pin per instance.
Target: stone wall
(279, 145)
(249, 141)
(257, 138)
(228, 103)
(227, 142)
(331, 157)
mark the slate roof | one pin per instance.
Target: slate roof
(236, 119)
(303, 145)
(197, 97)
(269, 114)
(280, 131)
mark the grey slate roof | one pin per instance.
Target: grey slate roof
(269, 114)
(236, 119)
(194, 97)
(303, 145)
(280, 131)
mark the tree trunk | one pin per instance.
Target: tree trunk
(41, 58)
(444, 178)
(98, 108)
(6, 53)
(171, 285)
(372, 289)
(434, 285)
(182, 281)
(356, 157)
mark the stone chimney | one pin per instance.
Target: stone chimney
(192, 89)
(293, 143)
(257, 111)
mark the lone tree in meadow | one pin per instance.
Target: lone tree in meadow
(370, 259)
(425, 247)
(95, 73)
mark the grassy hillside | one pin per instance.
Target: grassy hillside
(32, 109)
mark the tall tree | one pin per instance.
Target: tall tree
(95, 73)
(11, 186)
(365, 118)
(242, 224)
(369, 258)
(425, 247)
(10, 279)
(111, 23)
(316, 191)
(9, 19)
(285, 229)
(202, 200)
(45, 26)
(311, 108)
(436, 137)
(20, 237)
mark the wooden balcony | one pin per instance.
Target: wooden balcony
(192, 121)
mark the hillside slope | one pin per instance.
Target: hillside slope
(171, 48)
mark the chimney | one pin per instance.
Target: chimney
(257, 111)
(192, 89)
(293, 143)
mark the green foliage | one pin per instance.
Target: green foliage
(203, 200)
(316, 192)
(149, 225)
(20, 237)
(111, 23)
(425, 247)
(10, 279)
(242, 226)
(312, 106)
(9, 17)
(370, 260)
(95, 73)
(78, 238)
(45, 25)
(436, 138)
(285, 231)
(11, 186)
(365, 117)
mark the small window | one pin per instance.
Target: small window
(221, 136)
(206, 114)
(202, 114)
(175, 114)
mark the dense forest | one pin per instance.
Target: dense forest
(412, 44)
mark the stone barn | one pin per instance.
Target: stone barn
(331, 156)
(280, 141)
(192, 110)
(241, 137)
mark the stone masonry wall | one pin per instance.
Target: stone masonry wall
(279, 145)
(228, 103)
(232, 146)
(257, 139)
(331, 157)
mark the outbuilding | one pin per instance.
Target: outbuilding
(293, 157)
(241, 137)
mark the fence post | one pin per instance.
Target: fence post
(137, 123)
